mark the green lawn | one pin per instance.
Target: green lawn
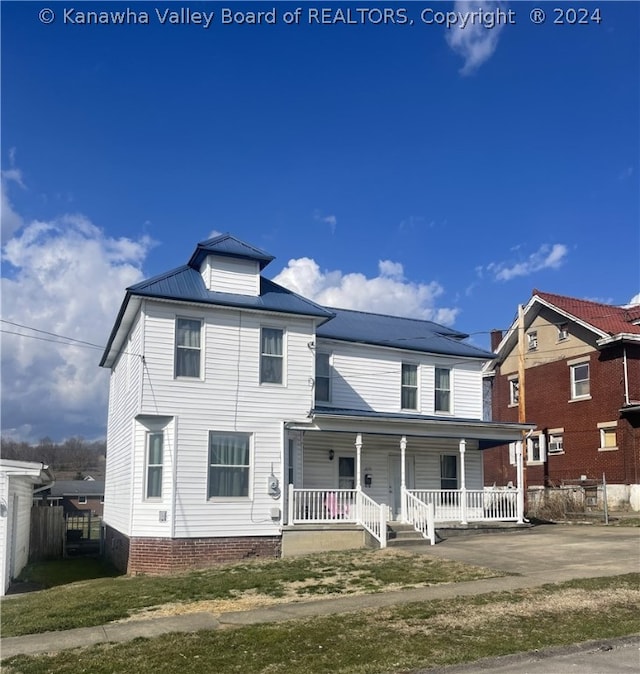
(100, 601)
(424, 634)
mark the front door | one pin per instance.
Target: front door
(395, 483)
(346, 472)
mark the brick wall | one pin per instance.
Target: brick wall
(166, 555)
(116, 548)
(548, 393)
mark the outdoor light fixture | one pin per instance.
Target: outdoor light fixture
(331, 454)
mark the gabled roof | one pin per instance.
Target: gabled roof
(398, 332)
(607, 318)
(75, 488)
(228, 246)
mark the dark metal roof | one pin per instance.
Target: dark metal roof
(398, 332)
(77, 488)
(187, 285)
(229, 246)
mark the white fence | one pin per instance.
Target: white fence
(470, 505)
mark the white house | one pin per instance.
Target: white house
(17, 479)
(239, 411)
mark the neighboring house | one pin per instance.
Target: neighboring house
(75, 496)
(17, 480)
(239, 411)
(581, 388)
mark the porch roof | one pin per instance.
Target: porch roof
(488, 433)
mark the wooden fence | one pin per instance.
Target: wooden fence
(48, 530)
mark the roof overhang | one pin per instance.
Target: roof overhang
(488, 433)
(622, 337)
(37, 473)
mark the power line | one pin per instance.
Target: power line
(51, 334)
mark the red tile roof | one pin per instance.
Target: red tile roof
(605, 317)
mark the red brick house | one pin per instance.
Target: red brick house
(582, 390)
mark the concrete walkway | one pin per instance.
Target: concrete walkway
(545, 554)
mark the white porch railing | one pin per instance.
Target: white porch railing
(471, 505)
(323, 506)
(373, 517)
(313, 506)
(421, 515)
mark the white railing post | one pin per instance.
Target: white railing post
(383, 525)
(520, 480)
(431, 526)
(463, 482)
(290, 504)
(403, 478)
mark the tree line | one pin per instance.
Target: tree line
(74, 455)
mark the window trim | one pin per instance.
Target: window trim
(249, 466)
(532, 340)
(149, 465)
(555, 433)
(272, 355)
(436, 389)
(573, 365)
(563, 331)
(200, 349)
(82, 500)
(603, 428)
(406, 387)
(541, 438)
(328, 377)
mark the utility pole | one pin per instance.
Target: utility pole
(522, 410)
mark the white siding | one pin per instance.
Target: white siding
(229, 397)
(124, 399)
(369, 378)
(230, 275)
(5, 530)
(15, 527)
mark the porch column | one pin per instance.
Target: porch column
(358, 461)
(520, 481)
(403, 478)
(462, 446)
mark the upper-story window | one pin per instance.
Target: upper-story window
(271, 355)
(532, 340)
(188, 347)
(323, 377)
(580, 380)
(563, 331)
(536, 448)
(409, 386)
(442, 389)
(514, 391)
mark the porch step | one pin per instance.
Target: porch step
(401, 535)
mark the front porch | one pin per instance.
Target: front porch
(372, 479)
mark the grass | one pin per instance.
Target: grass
(100, 601)
(424, 634)
(64, 571)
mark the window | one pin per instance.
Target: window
(448, 471)
(532, 340)
(608, 437)
(556, 441)
(346, 472)
(409, 394)
(563, 331)
(82, 500)
(188, 347)
(443, 390)
(536, 446)
(271, 356)
(514, 391)
(229, 464)
(580, 380)
(323, 377)
(155, 450)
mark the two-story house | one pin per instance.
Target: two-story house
(239, 410)
(580, 361)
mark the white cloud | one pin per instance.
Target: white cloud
(546, 257)
(475, 41)
(634, 300)
(10, 219)
(388, 293)
(330, 220)
(65, 277)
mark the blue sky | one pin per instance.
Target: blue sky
(414, 169)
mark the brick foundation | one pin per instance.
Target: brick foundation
(168, 555)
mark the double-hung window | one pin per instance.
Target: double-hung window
(229, 464)
(155, 450)
(188, 347)
(580, 380)
(514, 391)
(323, 377)
(271, 355)
(608, 436)
(563, 331)
(536, 448)
(532, 340)
(409, 386)
(442, 389)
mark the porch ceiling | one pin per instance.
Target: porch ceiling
(488, 433)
